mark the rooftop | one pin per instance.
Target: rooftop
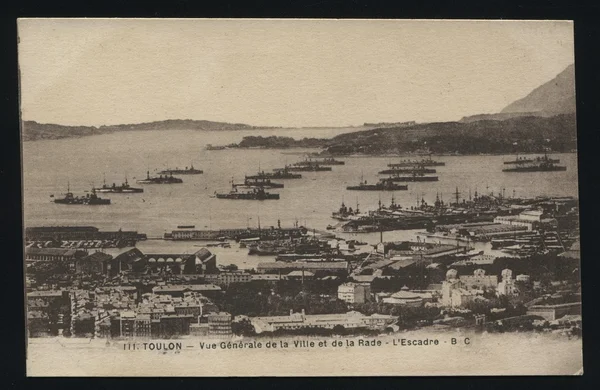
(186, 287)
(45, 293)
(341, 265)
(301, 273)
(115, 252)
(98, 256)
(52, 251)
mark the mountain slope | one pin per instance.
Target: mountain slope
(555, 97)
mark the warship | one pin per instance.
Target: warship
(284, 173)
(414, 177)
(257, 193)
(524, 160)
(166, 179)
(321, 161)
(382, 185)
(539, 164)
(87, 200)
(124, 188)
(264, 182)
(426, 162)
(345, 212)
(399, 171)
(304, 168)
(187, 171)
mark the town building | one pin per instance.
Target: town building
(458, 292)
(350, 320)
(219, 324)
(301, 275)
(530, 219)
(224, 279)
(316, 267)
(553, 312)
(267, 277)
(95, 263)
(405, 297)
(354, 292)
(128, 259)
(200, 262)
(507, 285)
(69, 256)
(78, 233)
(178, 290)
(479, 280)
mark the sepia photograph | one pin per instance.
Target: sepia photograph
(300, 197)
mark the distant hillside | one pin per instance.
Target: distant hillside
(555, 97)
(279, 142)
(520, 134)
(33, 130)
(497, 117)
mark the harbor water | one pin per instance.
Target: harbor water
(50, 165)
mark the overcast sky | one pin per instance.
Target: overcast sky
(282, 72)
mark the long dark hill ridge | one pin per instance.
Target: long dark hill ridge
(33, 130)
(520, 134)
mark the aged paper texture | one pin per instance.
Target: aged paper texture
(216, 197)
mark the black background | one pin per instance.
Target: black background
(587, 46)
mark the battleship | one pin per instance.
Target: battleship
(398, 171)
(345, 212)
(284, 173)
(413, 176)
(87, 200)
(257, 193)
(187, 171)
(124, 188)
(426, 162)
(263, 182)
(304, 168)
(166, 179)
(322, 161)
(524, 160)
(539, 164)
(382, 185)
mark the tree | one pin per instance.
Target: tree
(339, 329)
(243, 328)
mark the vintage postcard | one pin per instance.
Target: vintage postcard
(245, 197)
